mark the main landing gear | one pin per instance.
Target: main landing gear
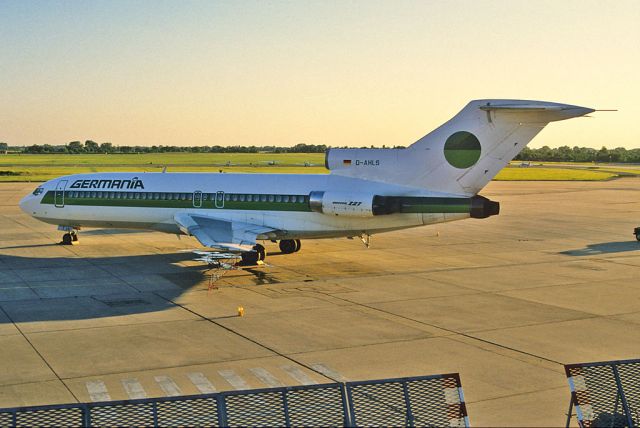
(288, 246)
(259, 253)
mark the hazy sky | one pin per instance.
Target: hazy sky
(319, 72)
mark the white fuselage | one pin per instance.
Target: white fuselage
(100, 205)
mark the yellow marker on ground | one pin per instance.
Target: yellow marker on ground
(240, 311)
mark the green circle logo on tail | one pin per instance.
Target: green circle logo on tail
(462, 149)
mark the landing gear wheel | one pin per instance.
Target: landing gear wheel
(262, 252)
(288, 246)
(67, 239)
(636, 232)
(74, 237)
(250, 258)
(298, 245)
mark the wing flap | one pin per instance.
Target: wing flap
(223, 234)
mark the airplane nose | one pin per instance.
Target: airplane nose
(25, 205)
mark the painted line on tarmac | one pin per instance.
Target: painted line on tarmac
(133, 388)
(329, 372)
(299, 375)
(201, 382)
(97, 390)
(168, 386)
(234, 379)
(266, 377)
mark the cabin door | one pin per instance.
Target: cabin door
(197, 199)
(59, 193)
(219, 199)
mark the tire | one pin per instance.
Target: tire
(67, 239)
(262, 252)
(250, 257)
(288, 246)
(638, 237)
(298, 245)
(74, 237)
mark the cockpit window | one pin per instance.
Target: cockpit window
(38, 191)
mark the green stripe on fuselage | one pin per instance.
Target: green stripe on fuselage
(407, 204)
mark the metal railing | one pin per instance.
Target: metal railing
(414, 401)
(605, 393)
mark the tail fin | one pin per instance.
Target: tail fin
(461, 156)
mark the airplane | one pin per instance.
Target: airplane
(437, 179)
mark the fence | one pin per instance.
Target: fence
(605, 393)
(415, 401)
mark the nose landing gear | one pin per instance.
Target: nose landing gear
(70, 238)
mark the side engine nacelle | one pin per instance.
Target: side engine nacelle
(351, 204)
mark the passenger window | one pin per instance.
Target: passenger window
(227, 197)
(278, 198)
(156, 196)
(285, 198)
(263, 198)
(94, 194)
(256, 198)
(241, 198)
(249, 198)
(234, 197)
(271, 198)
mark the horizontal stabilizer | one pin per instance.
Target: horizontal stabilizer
(522, 107)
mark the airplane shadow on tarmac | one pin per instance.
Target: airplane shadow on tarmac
(604, 248)
(36, 289)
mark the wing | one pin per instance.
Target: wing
(222, 234)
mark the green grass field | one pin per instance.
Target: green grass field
(25, 167)
(45, 167)
(552, 174)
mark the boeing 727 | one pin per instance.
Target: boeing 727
(368, 191)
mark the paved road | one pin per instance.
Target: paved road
(504, 301)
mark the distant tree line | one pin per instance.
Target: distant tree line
(90, 146)
(579, 154)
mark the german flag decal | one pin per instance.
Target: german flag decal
(346, 162)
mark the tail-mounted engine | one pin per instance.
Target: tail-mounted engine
(352, 204)
(362, 204)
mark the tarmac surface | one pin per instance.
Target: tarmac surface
(505, 301)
